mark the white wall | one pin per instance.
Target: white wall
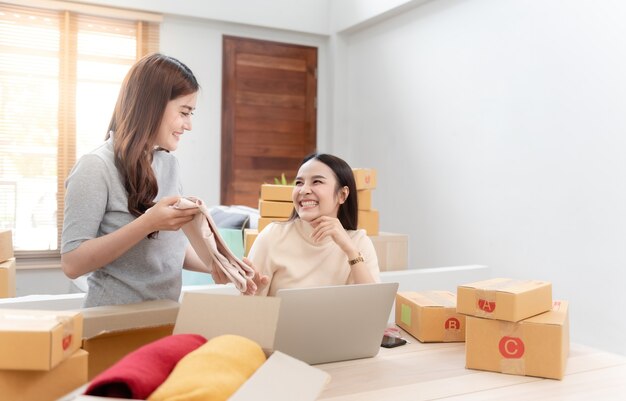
(309, 16)
(198, 43)
(497, 128)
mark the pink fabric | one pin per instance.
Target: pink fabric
(139, 373)
(211, 248)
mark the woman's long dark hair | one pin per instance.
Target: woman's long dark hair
(348, 213)
(147, 88)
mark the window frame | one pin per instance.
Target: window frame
(147, 27)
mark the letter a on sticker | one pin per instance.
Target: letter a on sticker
(487, 306)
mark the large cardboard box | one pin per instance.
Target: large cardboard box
(32, 385)
(264, 221)
(6, 245)
(365, 178)
(537, 346)
(430, 316)
(36, 339)
(368, 220)
(275, 208)
(7, 278)
(392, 250)
(111, 332)
(280, 378)
(504, 298)
(272, 192)
(364, 199)
(249, 235)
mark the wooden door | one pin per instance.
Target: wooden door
(268, 114)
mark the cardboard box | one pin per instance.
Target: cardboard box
(504, 299)
(7, 278)
(272, 192)
(364, 199)
(211, 315)
(430, 316)
(6, 245)
(249, 235)
(32, 385)
(392, 250)
(365, 178)
(264, 221)
(368, 220)
(113, 331)
(36, 339)
(537, 346)
(275, 208)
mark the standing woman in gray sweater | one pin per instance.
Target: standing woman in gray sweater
(119, 224)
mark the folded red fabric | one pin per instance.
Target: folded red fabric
(139, 373)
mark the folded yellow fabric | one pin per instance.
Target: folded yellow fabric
(214, 371)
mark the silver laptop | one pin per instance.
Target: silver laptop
(334, 323)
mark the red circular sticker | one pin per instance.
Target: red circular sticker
(453, 324)
(511, 347)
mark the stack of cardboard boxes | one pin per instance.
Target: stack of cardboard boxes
(40, 355)
(514, 327)
(365, 179)
(392, 249)
(509, 326)
(7, 265)
(275, 204)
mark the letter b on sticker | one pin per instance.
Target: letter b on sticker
(511, 347)
(452, 324)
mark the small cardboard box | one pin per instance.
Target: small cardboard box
(275, 208)
(272, 192)
(7, 278)
(32, 385)
(537, 346)
(364, 199)
(504, 299)
(392, 250)
(211, 315)
(249, 235)
(111, 332)
(37, 339)
(430, 316)
(264, 221)
(368, 220)
(6, 245)
(365, 178)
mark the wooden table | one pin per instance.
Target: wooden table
(418, 371)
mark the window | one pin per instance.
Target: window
(60, 73)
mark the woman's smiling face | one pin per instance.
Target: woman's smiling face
(315, 193)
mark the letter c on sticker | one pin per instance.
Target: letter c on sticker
(511, 347)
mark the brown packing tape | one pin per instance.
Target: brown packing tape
(512, 348)
(440, 298)
(486, 295)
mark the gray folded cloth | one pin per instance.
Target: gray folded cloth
(211, 248)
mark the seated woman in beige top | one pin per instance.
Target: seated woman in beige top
(320, 244)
